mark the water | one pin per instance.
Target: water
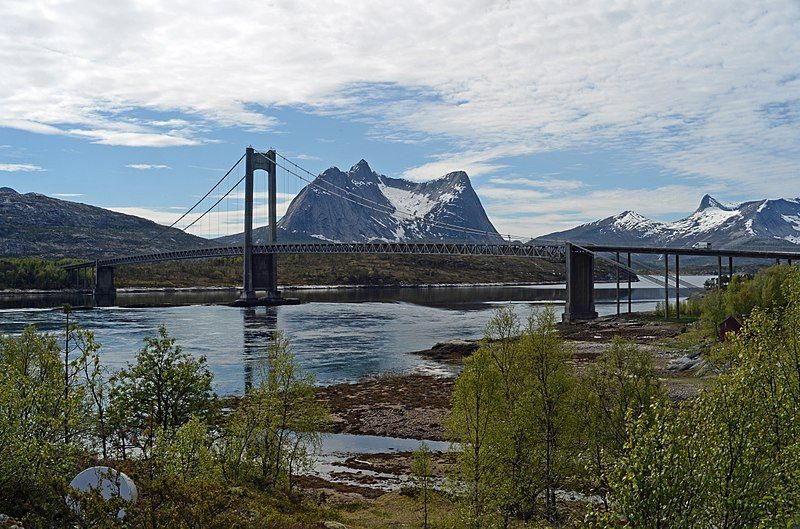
(337, 335)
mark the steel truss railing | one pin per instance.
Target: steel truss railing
(553, 253)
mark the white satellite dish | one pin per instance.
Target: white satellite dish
(109, 482)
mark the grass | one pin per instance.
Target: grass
(395, 509)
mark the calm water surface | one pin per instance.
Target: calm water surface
(336, 334)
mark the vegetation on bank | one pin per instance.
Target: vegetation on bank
(33, 273)
(529, 427)
(328, 269)
(195, 464)
(743, 293)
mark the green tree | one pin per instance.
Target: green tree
(158, 393)
(422, 477)
(513, 418)
(547, 362)
(473, 424)
(275, 430)
(618, 388)
(729, 458)
(43, 413)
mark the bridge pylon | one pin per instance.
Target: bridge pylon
(260, 270)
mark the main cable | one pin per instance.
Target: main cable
(166, 228)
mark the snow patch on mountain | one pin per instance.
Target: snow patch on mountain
(704, 221)
(380, 208)
(766, 224)
(406, 202)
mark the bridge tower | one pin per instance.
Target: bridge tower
(260, 270)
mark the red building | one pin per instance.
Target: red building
(731, 324)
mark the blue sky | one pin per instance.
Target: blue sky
(560, 114)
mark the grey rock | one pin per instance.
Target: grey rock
(758, 224)
(380, 208)
(34, 224)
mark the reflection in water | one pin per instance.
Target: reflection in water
(258, 330)
(337, 335)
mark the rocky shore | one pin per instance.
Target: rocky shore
(410, 406)
(417, 406)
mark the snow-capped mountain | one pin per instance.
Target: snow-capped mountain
(758, 224)
(361, 205)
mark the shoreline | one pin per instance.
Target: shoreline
(10, 292)
(150, 290)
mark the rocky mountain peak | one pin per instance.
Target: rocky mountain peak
(764, 224)
(710, 202)
(393, 209)
(8, 191)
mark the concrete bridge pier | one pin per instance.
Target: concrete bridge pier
(265, 275)
(580, 285)
(105, 293)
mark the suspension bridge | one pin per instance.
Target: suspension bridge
(260, 258)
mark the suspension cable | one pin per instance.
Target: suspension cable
(166, 228)
(215, 203)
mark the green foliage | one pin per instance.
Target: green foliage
(422, 477)
(729, 458)
(691, 307)
(53, 418)
(275, 430)
(765, 289)
(32, 272)
(621, 386)
(159, 393)
(513, 415)
(44, 409)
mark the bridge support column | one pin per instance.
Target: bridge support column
(616, 271)
(265, 276)
(271, 260)
(666, 286)
(105, 293)
(630, 300)
(580, 285)
(677, 286)
(248, 292)
(260, 270)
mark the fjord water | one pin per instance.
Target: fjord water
(337, 334)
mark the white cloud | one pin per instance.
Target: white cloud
(524, 215)
(147, 166)
(19, 167)
(219, 222)
(67, 195)
(551, 184)
(689, 86)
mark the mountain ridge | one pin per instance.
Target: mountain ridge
(361, 205)
(38, 225)
(766, 223)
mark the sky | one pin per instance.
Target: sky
(561, 111)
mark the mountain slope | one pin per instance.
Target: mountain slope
(37, 225)
(758, 224)
(362, 205)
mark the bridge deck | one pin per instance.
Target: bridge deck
(550, 252)
(698, 252)
(554, 253)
